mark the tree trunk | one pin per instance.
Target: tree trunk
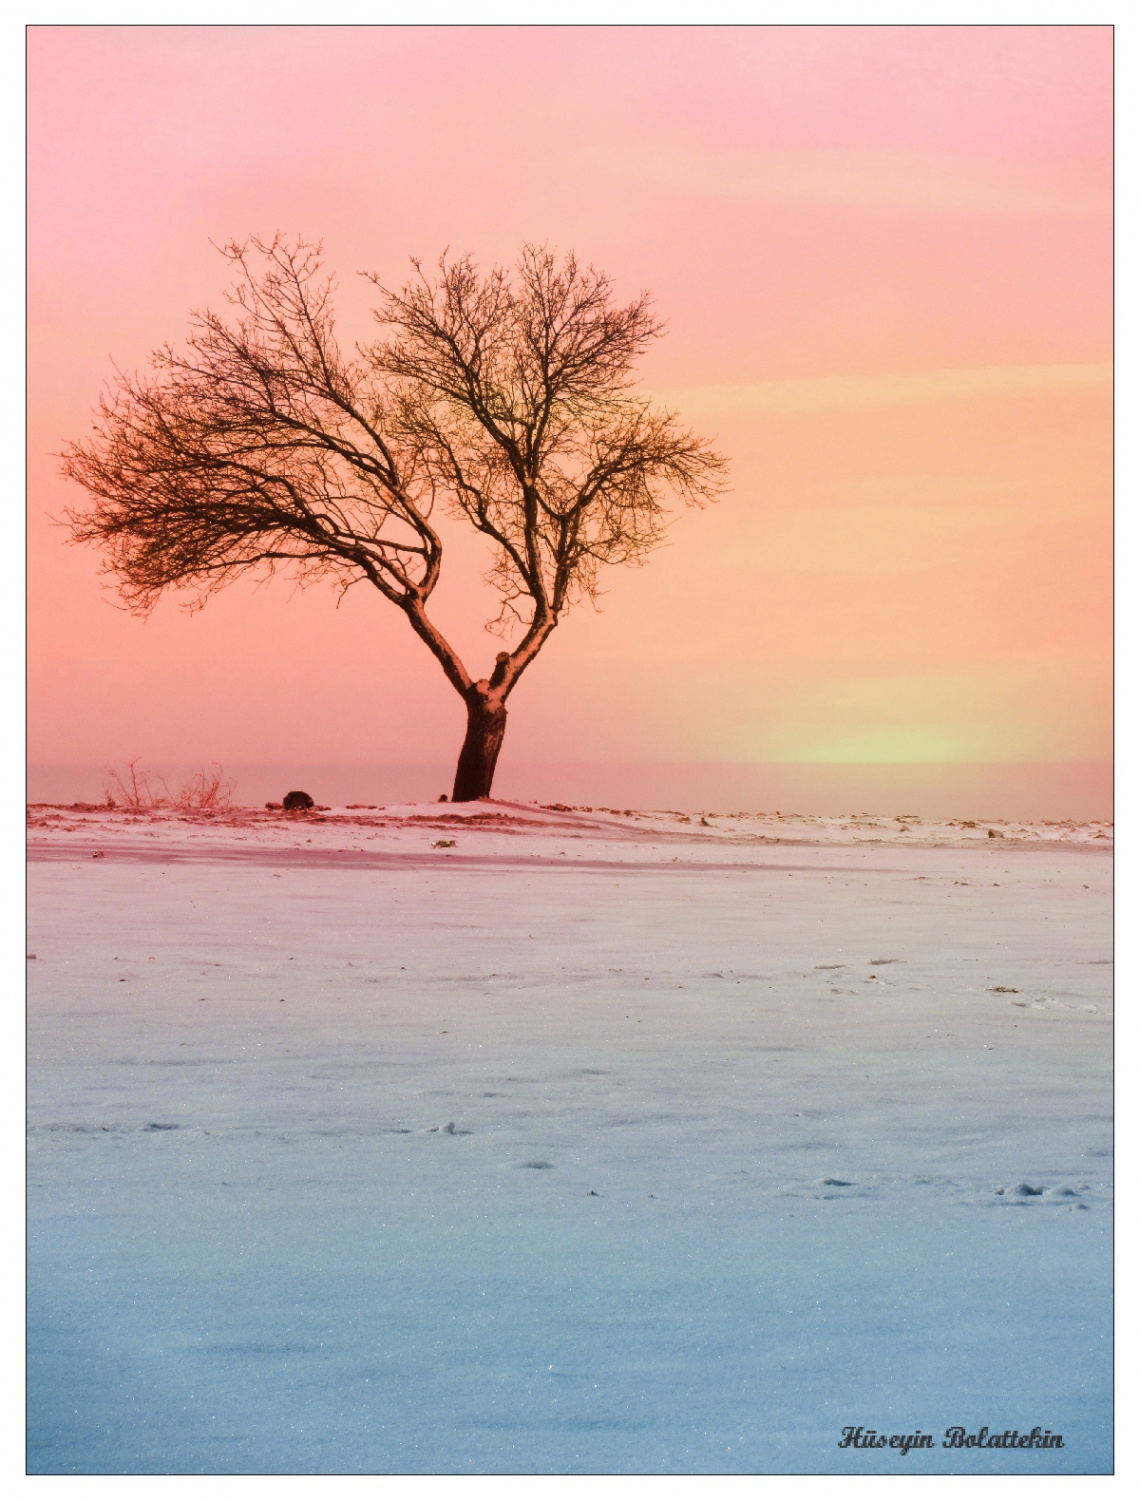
(486, 726)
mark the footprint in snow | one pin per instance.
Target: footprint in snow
(1022, 1193)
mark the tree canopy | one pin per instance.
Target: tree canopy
(505, 399)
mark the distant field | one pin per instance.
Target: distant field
(1006, 790)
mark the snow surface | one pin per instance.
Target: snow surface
(589, 1142)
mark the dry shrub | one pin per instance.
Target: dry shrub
(205, 792)
(132, 788)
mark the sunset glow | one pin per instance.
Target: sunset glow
(885, 259)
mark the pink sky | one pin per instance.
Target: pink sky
(885, 258)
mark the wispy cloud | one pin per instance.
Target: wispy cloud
(784, 396)
(853, 179)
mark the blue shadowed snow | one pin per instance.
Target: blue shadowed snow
(357, 1175)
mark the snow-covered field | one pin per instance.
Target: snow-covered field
(588, 1141)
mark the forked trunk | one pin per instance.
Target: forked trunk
(486, 726)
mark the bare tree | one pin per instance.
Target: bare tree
(505, 400)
